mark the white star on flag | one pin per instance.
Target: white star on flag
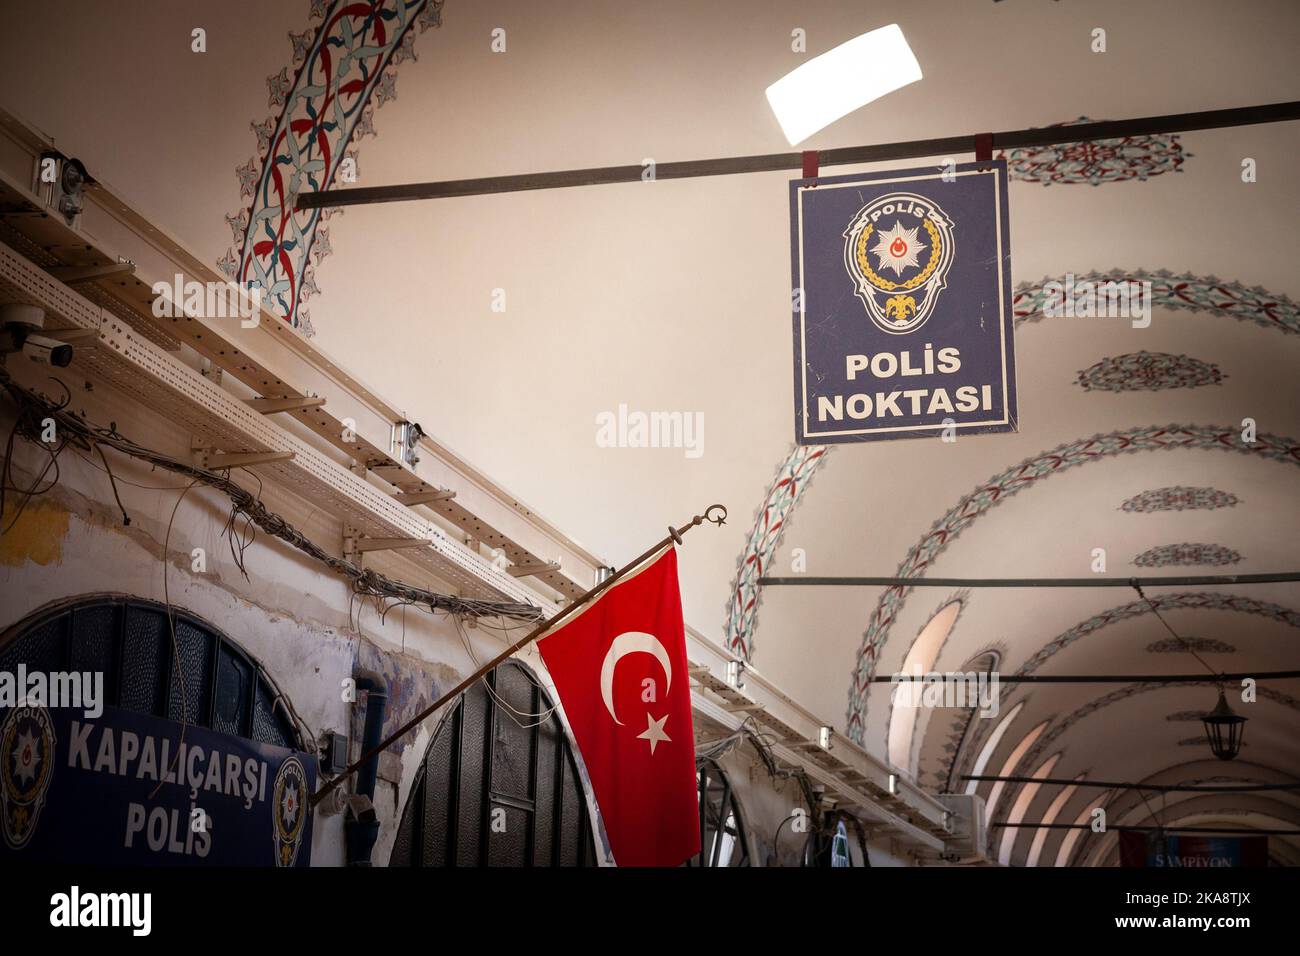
(654, 731)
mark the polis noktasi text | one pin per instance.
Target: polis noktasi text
(893, 399)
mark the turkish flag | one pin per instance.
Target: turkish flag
(619, 666)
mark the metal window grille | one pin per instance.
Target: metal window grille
(497, 787)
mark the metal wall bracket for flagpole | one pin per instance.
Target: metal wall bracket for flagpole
(674, 537)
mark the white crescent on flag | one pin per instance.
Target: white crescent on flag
(631, 642)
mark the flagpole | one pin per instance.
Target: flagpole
(674, 537)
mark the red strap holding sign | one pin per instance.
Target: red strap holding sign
(983, 147)
(811, 162)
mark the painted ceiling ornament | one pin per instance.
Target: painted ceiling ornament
(1047, 741)
(1000, 487)
(1148, 372)
(1185, 716)
(1169, 291)
(1186, 555)
(1180, 498)
(1186, 600)
(898, 250)
(342, 70)
(789, 485)
(1098, 161)
(1202, 645)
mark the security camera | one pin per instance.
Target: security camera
(20, 326)
(72, 183)
(45, 351)
(61, 182)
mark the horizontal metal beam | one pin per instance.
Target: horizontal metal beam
(1156, 788)
(853, 155)
(1114, 678)
(1184, 580)
(1251, 831)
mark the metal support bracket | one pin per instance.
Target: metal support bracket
(213, 460)
(423, 497)
(525, 570)
(269, 406)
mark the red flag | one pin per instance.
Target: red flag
(620, 669)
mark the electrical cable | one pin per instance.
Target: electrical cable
(34, 409)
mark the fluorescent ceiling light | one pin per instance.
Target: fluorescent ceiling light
(842, 80)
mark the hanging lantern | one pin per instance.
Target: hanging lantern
(1223, 728)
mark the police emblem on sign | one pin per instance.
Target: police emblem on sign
(27, 748)
(898, 250)
(289, 810)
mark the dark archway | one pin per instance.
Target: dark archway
(206, 680)
(723, 840)
(497, 786)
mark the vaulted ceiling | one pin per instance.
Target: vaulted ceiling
(674, 296)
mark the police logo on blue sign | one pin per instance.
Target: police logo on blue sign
(903, 324)
(898, 249)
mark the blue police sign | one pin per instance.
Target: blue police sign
(131, 789)
(902, 304)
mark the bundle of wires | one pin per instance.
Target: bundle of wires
(35, 415)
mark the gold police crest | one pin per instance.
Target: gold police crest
(898, 250)
(27, 747)
(289, 809)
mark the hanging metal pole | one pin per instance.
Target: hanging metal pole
(1126, 828)
(1214, 678)
(804, 580)
(674, 536)
(848, 156)
(1155, 788)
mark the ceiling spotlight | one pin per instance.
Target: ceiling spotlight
(1223, 728)
(842, 80)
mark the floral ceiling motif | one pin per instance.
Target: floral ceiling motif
(350, 59)
(1203, 645)
(1148, 372)
(1002, 486)
(1182, 555)
(1098, 161)
(1180, 498)
(1169, 291)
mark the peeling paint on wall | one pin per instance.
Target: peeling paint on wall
(413, 685)
(36, 536)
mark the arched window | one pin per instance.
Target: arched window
(497, 786)
(1010, 765)
(1053, 811)
(1021, 806)
(206, 681)
(1071, 838)
(986, 752)
(723, 841)
(919, 661)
